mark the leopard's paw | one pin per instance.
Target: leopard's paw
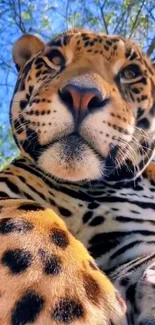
(47, 276)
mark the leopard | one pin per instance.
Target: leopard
(77, 208)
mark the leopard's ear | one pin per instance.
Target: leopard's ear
(25, 47)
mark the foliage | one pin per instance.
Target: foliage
(130, 18)
(8, 148)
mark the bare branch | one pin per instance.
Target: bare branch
(103, 16)
(151, 47)
(150, 12)
(136, 19)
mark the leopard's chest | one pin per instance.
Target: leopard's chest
(115, 224)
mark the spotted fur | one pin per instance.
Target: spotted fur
(46, 275)
(83, 117)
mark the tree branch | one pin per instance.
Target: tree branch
(103, 16)
(151, 47)
(136, 19)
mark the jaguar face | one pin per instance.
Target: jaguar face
(83, 106)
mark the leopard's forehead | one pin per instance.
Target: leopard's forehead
(115, 50)
(91, 40)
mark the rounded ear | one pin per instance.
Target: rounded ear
(26, 46)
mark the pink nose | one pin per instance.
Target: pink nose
(81, 99)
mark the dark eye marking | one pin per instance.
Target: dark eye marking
(56, 57)
(130, 72)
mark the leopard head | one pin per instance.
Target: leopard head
(84, 105)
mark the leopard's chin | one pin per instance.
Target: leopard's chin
(72, 159)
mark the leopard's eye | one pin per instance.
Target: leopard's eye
(130, 72)
(56, 57)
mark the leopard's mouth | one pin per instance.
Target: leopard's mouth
(73, 145)
(72, 158)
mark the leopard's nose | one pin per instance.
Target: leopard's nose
(81, 100)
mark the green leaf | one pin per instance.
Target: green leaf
(45, 22)
(26, 15)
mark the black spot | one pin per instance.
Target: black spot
(64, 212)
(66, 39)
(30, 90)
(52, 202)
(59, 238)
(8, 225)
(124, 281)
(140, 112)
(128, 52)
(93, 205)
(143, 81)
(87, 216)
(91, 43)
(52, 264)
(134, 211)
(17, 260)
(133, 56)
(144, 97)
(67, 311)
(85, 38)
(87, 43)
(106, 48)
(115, 209)
(27, 206)
(143, 123)
(38, 73)
(23, 104)
(27, 97)
(135, 90)
(27, 309)
(97, 221)
(108, 42)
